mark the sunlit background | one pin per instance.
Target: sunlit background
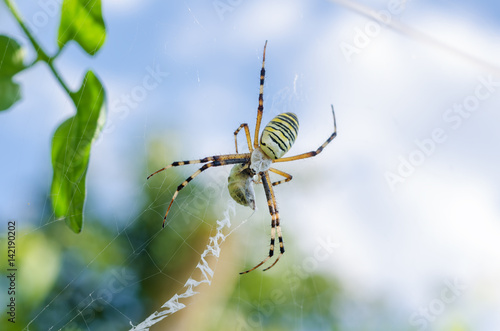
(394, 226)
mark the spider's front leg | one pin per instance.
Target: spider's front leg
(260, 108)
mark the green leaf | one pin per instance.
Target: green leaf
(11, 62)
(11, 57)
(71, 146)
(10, 93)
(81, 21)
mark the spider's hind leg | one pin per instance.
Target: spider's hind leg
(275, 224)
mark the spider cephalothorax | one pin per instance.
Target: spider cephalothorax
(277, 138)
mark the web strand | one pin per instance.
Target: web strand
(173, 305)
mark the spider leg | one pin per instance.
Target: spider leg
(275, 223)
(316, 152)
(288, 177)
(247, 133)
(205, 160)
(260, 109)
(269, 188)
(196, 173)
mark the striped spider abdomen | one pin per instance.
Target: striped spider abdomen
(279, 135)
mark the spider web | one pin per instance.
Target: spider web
(213, 249)
(97, 301)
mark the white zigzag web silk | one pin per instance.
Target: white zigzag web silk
(213, 249)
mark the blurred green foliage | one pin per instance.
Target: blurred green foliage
(11, 64)
(71, 147)
(81, 21)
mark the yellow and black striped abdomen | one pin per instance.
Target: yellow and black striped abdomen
(279, 135)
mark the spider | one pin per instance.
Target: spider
(276, 139)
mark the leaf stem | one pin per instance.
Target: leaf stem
(41, 54)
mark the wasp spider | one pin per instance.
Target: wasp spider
(276, 139)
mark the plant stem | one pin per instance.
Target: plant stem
(41, 54)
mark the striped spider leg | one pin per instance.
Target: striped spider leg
(288, 177)
(275, 223)
(260, 108)
(211, 161)
(320, 148)
(247, 133)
